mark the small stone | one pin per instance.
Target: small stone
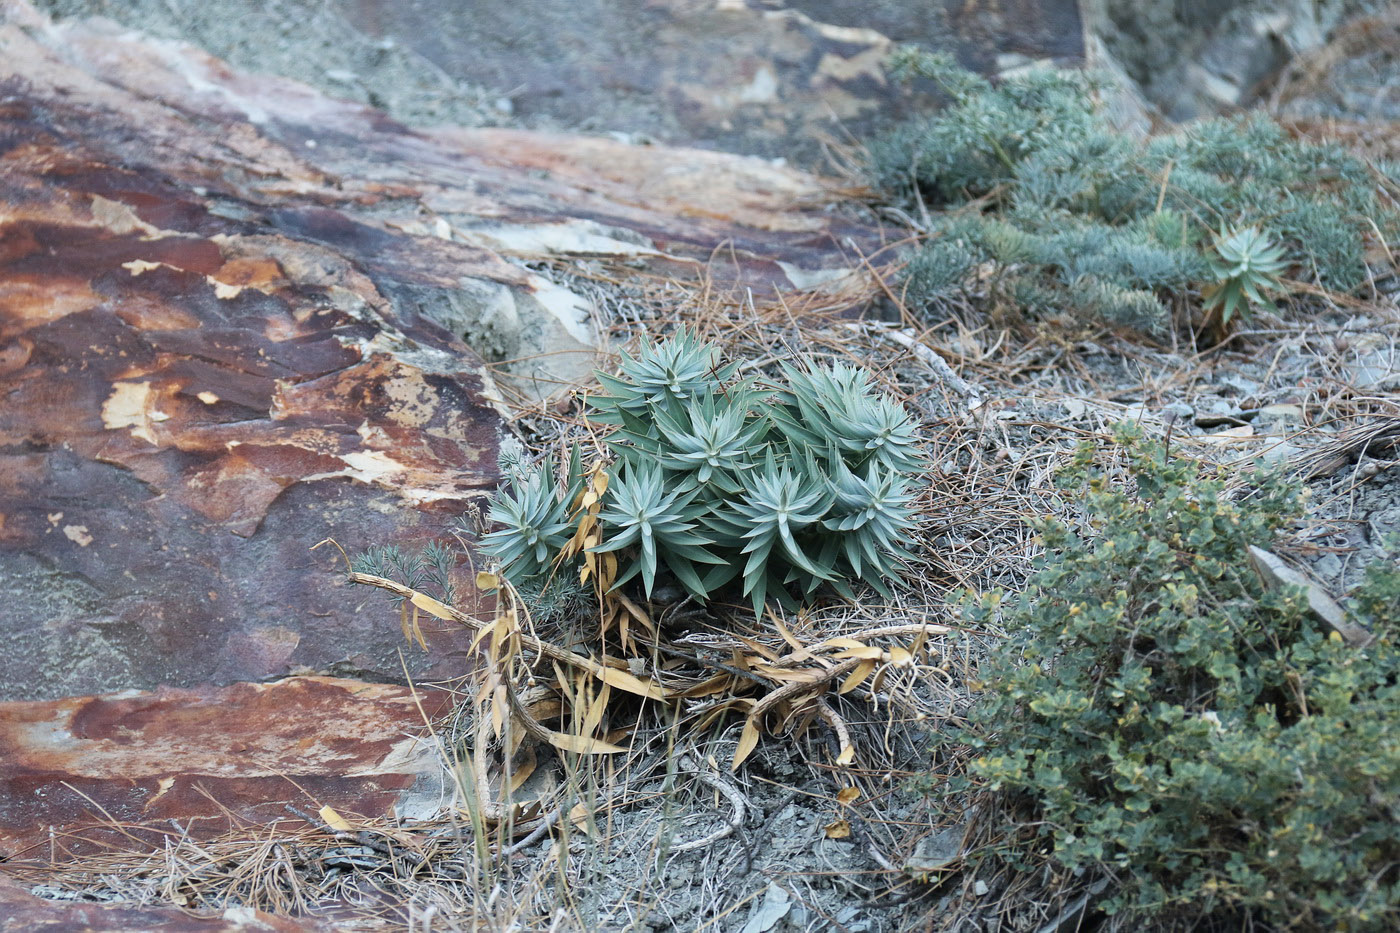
(1278, 453)
(1246, 387)
(1375, 367)
(937, 850)
(1282, 412)
(1135, 413)
(1328, 567)
(1220, 412)
(766, 914)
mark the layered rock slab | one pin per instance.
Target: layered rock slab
(235, 319)
(190, 404)
(207, 761)
(139, 772)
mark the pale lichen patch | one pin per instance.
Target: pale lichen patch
(127, 407)
(78, 534)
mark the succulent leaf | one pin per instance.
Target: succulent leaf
(668, 372)
(786, 488)
(535, 522)
(642, 511)
(1246, 266)
(834, 405)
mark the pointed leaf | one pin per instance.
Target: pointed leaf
(856, 677)
(634, 685)
(748, 741)
(582, 744)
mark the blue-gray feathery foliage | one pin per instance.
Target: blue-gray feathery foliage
(427, 569)
(1057, 207)
(722, 482)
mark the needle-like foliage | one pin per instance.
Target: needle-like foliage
(835, 405)
(778, 504)
(670, 372)
(870, 518)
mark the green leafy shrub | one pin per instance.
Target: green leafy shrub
(1071, 214)
(1158, 718)
(782, 488)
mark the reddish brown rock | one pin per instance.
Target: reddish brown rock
(191, 404)
(211, 760)
(234, 321)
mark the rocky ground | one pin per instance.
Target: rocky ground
(394, 277)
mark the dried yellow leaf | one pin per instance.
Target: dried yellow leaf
(717, 684)
(522, 773)
(578, 815)
(783, 631)
(418, 632)
(431, 606)
(789, 675)
(847, 796)
(624, 630)
(334, 820)
(634, 685)
(499, 702)
(838, 830)
(593, 708)
(856, 677)
(762, 649)
(483, 632)
(850, 648)
(546, 709)
(582, 744)
(637, 612)
(487, 581)
(748, 741)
